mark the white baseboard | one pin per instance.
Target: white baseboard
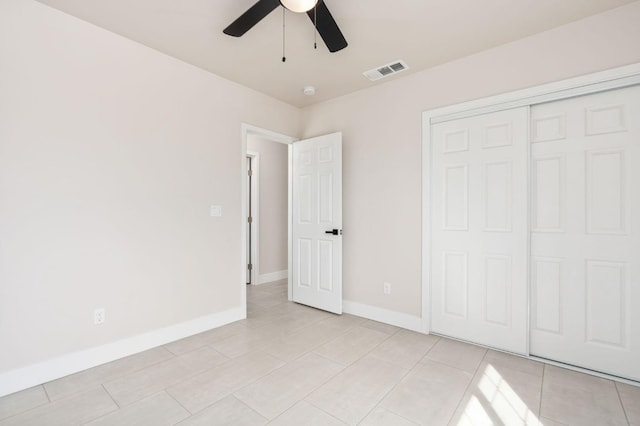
(272, 276)
(26, 377)
(398, 319)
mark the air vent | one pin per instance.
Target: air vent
(385, 70)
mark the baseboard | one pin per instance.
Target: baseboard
(272, 276)
(26, 377)
(398, 319)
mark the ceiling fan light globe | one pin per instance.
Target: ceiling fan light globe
(299, 6)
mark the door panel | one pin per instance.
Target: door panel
(585, 242)
(317, 208)
(479, 229)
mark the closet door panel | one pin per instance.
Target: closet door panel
(479, 229)
(585, 242)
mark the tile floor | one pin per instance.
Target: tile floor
(292, 365)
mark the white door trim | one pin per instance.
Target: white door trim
(255, 214)
(245, 130)
(592, 83)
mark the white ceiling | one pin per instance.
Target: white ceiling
(423, 33)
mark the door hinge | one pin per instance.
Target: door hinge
(250, 173)
(250, 267)
(250, 219)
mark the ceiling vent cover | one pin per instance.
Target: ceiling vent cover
(386, 70)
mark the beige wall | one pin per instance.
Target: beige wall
(382, 136)
(273, 203)
(110, 157)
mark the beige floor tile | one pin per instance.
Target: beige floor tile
(345, 321)
(293, 346)
(302, 366)
(22, 401)
(253, 308)
(514, 362)
(381, 327)
(429, 394)
(549, 422)
(288, 323)
(381, 417)
(268, 300)
(77, 409)
(148, 381)
(93, 377)
(206, 388)
(351, 345)
(248, 340)
(630, 396)
(157, 410)
(474, 414)
(577, 398)
(282, 388)
(353, 393)
(274, 287)
(270, 317)
(405, 348)
(305, 414)
(456, 354)
(477, 414)
(501, 395)
(206, 338)
(226, 412)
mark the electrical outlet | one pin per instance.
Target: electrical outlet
(98, 316)
(387, 288)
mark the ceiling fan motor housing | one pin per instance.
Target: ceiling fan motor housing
(299, 6)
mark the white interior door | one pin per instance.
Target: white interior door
(479, 229)
(317, 222)
(585, 246)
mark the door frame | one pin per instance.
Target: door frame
(614, 78)
(245, 131)
(255, 214)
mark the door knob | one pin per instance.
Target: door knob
(334, 232)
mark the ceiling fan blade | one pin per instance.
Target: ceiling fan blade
(327, 27)
(252, 16)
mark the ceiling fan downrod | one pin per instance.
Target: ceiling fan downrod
(284, 58)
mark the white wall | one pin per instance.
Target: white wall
(110, 157)
(382, 134)
(273, 203)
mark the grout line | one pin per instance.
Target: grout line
(111, 396)
(165, 390)
(391, 389)
(544, 373)
(315, 406)
(466, 389)
(399, 415)
(44, 388)
(248, 406)
(624, 410)
(20, 413)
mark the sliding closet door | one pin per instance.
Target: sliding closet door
(479, 229)
(585, 243)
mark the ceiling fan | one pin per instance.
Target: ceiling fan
(316, 10)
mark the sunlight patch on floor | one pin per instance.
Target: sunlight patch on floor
(496, 400)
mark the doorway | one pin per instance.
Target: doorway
(251, 205)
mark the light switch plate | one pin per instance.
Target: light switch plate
(216, 211)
